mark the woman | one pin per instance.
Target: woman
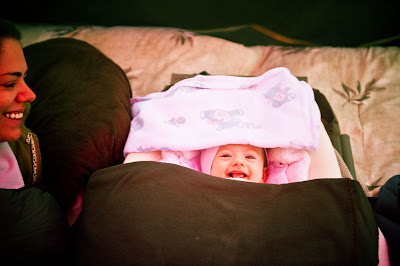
(33, 229)
(14, 98)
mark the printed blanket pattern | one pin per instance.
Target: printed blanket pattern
(271, 110)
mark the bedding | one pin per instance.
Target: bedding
(131, 209)
(387, 215)
(169, 214)
(361, 84)
(37, 229)
(79, 130)
(208, 111)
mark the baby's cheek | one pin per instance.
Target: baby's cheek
(217, 170)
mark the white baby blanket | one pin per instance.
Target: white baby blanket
(271, 110)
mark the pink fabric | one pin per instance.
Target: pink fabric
(10, 174)
(288, 165)
(189, 159)
(383, 250)
(277, 173)
(206, 159)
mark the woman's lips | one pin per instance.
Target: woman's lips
(14, 115)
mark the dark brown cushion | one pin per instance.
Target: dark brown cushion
(151, 213)
(81, 114)
(33, 228)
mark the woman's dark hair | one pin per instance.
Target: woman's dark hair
(8, 30)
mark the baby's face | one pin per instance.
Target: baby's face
(239, 161)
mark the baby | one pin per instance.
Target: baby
(279, 165)
(175, 126)
(236, 161)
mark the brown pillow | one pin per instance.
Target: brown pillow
(81, 114)
(156, 213)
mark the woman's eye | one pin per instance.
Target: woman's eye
(10, 85)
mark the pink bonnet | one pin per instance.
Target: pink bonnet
(206, 159)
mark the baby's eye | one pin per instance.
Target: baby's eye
(250, 157)
(226, 155)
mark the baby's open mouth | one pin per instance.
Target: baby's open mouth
(237, 174)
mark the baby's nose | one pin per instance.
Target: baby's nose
(238, 162)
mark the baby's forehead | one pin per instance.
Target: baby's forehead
(241, 147)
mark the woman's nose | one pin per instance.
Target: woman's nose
(26, 94)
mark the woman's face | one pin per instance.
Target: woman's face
(14, 92)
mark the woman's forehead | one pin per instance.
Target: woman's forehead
(12, 58)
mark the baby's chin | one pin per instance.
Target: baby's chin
(241, 179)
(245, 179)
